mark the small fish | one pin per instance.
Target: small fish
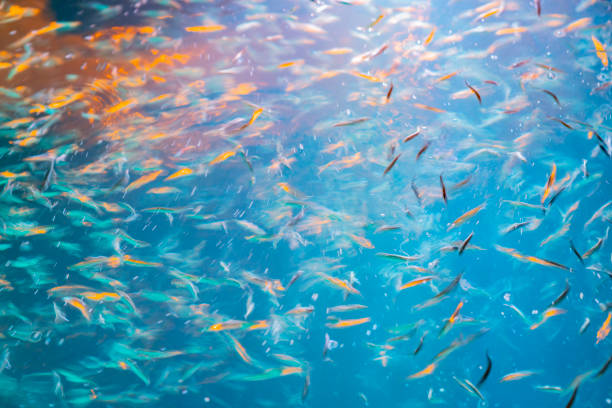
(515, 226)
(348, 323)
(604, 330)
(552, 95)
(594, 248)
(485, 375)
(465, 243)
(561, 122)
(538, 5)
(572, 398)
(412, 136)
(430, 37)
(575, 251)
(351, 122)
(390, 166)
(518, 375)
(420, 346)
(603, 368)
(601, 51)
(389, 93)
(425, 146)
(49, 177)
(469, 214)
(443, 190)
(585, 325)
(549, 183)
(415, 282)
(345, 308)
(398, 257)
(561, 296)
(474, 91)
(306, 386)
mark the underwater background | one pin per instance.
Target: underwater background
(347, 203)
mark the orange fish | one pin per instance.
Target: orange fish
(601, 51)
(182, 172)
(415, 282)
(549, 183)
(604, 330)
(424, 372)
(205, 29)
(142, 180)
(79, 305)
(348, 323)
(430, 36)
(361, 241)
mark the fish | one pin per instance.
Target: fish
(389, 93)
(390, 166)
(572, 398)
(412, 135)
(604, 330)
(465, 243)
(549, 183)
(348, 323)
(420, 346)
(600, 51)
(593, 249)
(351, 122)
(604, 367)
(422, 150)
(444, 196)
(466, 216)
(530, 258)
(518, 375)
(552, 95)
(575, 251)
(562, 295)
(415, 282)
(487, 371)
(474, 91)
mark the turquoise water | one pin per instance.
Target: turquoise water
(315, 203)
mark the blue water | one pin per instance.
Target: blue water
(178, 289)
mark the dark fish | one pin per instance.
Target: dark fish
(450, 287)
(576, 251)
(572, 399)
(538, 5)
(443, 190)
(411, 136)
(389, 93)
(416, 192)
(594, 248)
(390, 166)
(603, 369)
(474, 91)
(604, 149)
(561, 122)
(555, 196)
(351, 122)
(552, 95)
(562, 296)
(425, 146)
(465, 243)
(485, 375)
(420, 346)
(306, 386)
(49, 177)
